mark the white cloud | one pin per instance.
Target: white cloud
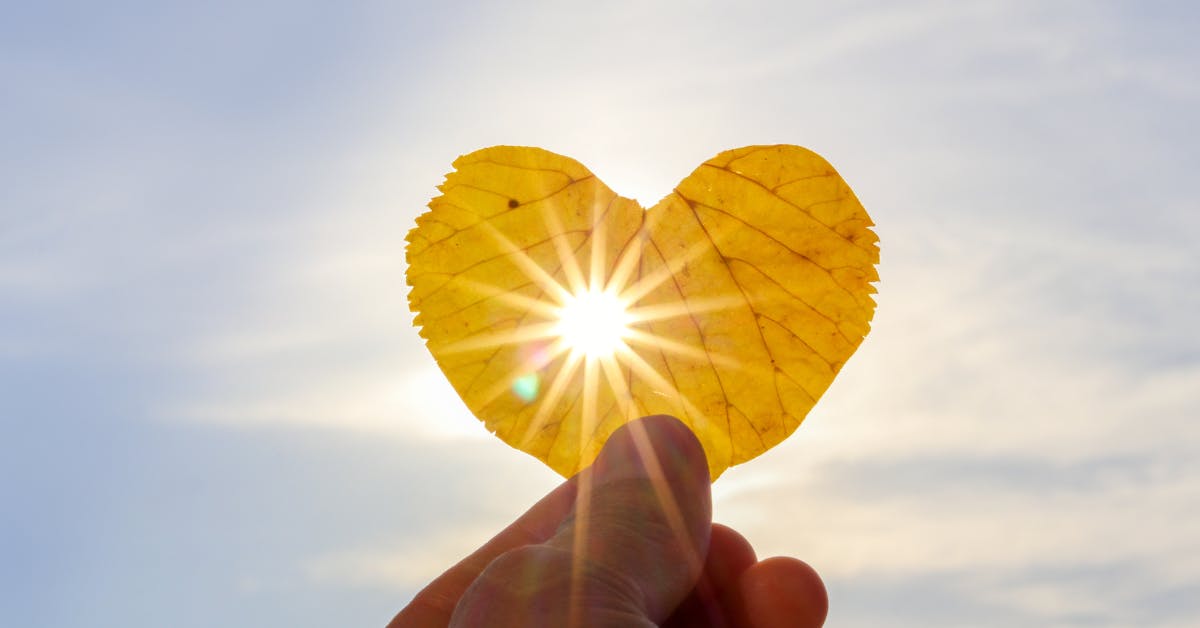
(1020, 423)
(413, 403)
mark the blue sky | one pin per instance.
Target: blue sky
(214, 409)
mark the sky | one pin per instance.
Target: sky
(214, 409)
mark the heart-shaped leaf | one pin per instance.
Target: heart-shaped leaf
(560, 311)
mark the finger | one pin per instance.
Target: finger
(629, 552)
(729, 555)
(650, 515)
(432, 607)
(710, 604)
(783, 592)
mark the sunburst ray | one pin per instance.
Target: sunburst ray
(557, 386)
(508, 297)
(661, 311)
(637, 336)
(567, 261)
(517, 335)
(526, 264)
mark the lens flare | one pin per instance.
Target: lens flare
(527, 386)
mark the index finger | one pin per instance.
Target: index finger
(435, 603)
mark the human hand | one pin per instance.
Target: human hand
(627, 542)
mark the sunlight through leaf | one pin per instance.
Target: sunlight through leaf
(559, 311)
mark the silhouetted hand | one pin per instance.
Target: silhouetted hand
(628, 542)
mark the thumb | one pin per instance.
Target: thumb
(649, 513)
(630, 551)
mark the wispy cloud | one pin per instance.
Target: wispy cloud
(201, 230)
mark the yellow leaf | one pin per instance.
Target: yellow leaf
(559, 310)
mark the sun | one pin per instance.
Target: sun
(594, 323)
(582, 340)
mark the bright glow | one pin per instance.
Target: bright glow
(584, 334)
(593, 323)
